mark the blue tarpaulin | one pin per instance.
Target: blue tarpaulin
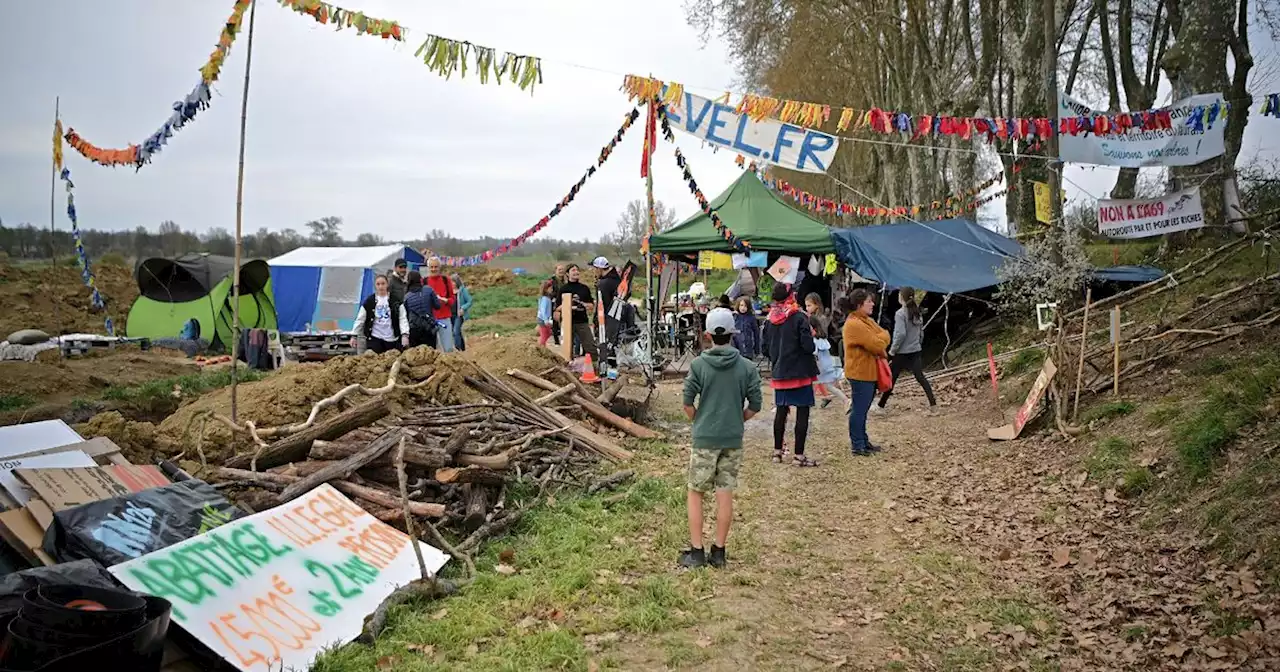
(947, 256)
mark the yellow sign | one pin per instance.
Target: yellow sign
(1044, 209)
(714, 261)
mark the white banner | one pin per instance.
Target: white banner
(272, 590)
(1177, 146)
(1179, 211)
(767, 140)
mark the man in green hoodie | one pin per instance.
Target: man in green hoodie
(726, 390)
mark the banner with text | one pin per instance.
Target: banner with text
(1183, 144)
(768, 140)
(1179, 211)
(272, 590)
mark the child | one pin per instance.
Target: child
(747, 340)
(545, 321)
(830, 371)
(720, 381)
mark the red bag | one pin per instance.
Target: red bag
(884, 375)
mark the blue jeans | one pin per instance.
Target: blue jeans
(864, 393)
(444, 335)
(458, 341)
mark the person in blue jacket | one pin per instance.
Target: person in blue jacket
(747, 340)
(461, 312)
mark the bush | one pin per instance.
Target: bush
(113, 259)
(1038, 278)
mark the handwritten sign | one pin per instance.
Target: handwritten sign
(1179, 211)
(1029, 407)
(767, 140)
(1180, 145)
(274, 589)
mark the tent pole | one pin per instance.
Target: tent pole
(235, 271)
(651, 304)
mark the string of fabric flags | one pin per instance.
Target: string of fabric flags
(184, 111)
(489, 255)
(877, 120)
(441, 55)
(814, 203)
(82, 258)
(737, 243)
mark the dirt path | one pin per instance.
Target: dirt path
(950, 552)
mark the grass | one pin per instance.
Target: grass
(1243, 517)
(1111, 456)
(1023, 362)
(14, 402)
(523, 293)
(154, 391)
(1228, 407)
(586, 574)
(1108, 411)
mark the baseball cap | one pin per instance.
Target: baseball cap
(600, 262)
(401, 263)
(720, 322)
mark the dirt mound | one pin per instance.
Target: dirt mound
(137, 440)
(50, 378)
(498, 355)
(53, 299)
(481, 277)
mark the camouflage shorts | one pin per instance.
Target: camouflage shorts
(711, 468)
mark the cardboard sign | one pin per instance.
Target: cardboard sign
(274, 589)
(18, 491)
(1029, 407)
(714, 261)
(65, 488)
(1179, 211)
(784, 270)
(1180, 145)
(768, 140)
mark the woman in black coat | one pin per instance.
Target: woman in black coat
(788, 343)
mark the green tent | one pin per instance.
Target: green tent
(172, 291)
(753, 213)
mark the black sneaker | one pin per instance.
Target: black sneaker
(825, 403)
(872, 448)
(859, 452)
(693, 558)
(717, 558)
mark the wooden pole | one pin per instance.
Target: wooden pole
(1051, 110)
(1115, 321)
(53, 191)
(651, 304)
(235, 271)
(1084, 338)
(566, 327)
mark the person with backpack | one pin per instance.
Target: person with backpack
(443, 287)
(381, 321)
(788, 343)
(420, 302)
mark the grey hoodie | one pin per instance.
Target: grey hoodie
(720, 381)
(907, 335)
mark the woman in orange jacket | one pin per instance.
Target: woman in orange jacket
(864, 343)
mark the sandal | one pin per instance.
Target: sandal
(778, 455)
(803, 461)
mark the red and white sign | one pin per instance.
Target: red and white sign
(1179, 211)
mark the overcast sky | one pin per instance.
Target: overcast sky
(354, 126)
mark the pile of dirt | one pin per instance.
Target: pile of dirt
(483, 277)
(498, 355)
(53, 299)
(137, 440)
(51, 378)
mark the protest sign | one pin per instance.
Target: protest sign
(1180, 145)
(272, 590)
(1179, 211)
(1029, 407)
(767, 140)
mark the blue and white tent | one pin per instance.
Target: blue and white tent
(323, 286)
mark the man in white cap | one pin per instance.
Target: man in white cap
(721, 392)
(607, 282)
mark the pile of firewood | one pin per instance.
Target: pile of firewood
(446, 465)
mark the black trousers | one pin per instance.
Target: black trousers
(380, 346)
(585, 338)
(902, 362)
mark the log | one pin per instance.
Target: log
(497, 462)
(590, 406)
(294, 448)
(497, 389)
(372, 495)
(552, 396)
(470, 475)
(611, 391)
(477, 509)
(344, 468)
(414, 454)
(456, 441)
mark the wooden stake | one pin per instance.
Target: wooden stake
(1115, 321)
(235, 271)
(1084, 337)
(566, 327)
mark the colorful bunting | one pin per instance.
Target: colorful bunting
(738, 244)
(57, 146)
(326, 13)
(86, 271)
(490, 255)
(815, 203)
(184, 111)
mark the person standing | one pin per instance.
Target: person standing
(462, 312)
(864, 343)
(788, 342)
(908, 340)
(382, 320)
(443, 287)
(420, 302)
(720, 383)
(399, 280)
(558, 280)
(607, 287)
(546, 304)
(583, 306)
(747, 339)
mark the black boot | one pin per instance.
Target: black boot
(717, 558)
(693, 558)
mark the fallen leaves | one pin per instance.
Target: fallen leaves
(1061, 556)
(505, 569)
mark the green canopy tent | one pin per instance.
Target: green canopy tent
(198, 286)
(756, 215)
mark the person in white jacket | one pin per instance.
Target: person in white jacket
(381, 322)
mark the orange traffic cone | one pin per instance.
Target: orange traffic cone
(589, 374)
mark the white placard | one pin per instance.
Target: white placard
(19, 490)
(1177, 146)
(785, 270)
(1179, 211)
(767, 140)
(272, 590)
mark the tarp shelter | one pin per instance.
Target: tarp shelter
(753, 213)
(172, 291)
(323, 286)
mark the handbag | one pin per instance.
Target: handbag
(884, 375)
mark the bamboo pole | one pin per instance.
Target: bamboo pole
(53, 191)
(651, 303)
(1115, 320)
(235, 271)
(1084, 340)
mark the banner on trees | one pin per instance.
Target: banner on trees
(1179, 211)
(1180, 145)
(767, 140)
(272, 590)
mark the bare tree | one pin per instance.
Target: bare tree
(326, 231)
(633, 223)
